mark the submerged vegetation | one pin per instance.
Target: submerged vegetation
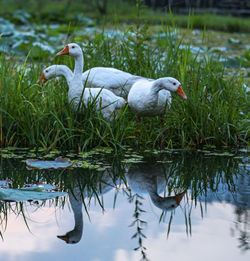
(216, 112)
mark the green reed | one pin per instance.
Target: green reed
(214, 113)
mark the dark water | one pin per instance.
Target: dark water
(128, 213)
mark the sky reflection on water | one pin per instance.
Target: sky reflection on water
(106, 235)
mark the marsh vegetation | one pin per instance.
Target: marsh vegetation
(117, 169)
(213, 77)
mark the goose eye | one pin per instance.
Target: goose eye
(174, 83)
(73, 47)
(46, 71)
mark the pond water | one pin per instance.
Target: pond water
(124, 211)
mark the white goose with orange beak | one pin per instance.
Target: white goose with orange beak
(153, 97)
(112, 79)
(106, 101)
(117, 81)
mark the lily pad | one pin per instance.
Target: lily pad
(132, 160)
(23, 195)
(38, 187)
(234, 41)
(221, 154)
(6, 26)
(11, 156)
(58, 163)
(85, 164)
(22, 17)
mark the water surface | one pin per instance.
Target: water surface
(125, 212)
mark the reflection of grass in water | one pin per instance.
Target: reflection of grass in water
(19, 209)
(139, 224)
(189, 171)
(198, 174)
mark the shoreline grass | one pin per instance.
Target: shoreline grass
(216, 112)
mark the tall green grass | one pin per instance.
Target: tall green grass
(214, 113)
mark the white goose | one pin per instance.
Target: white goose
(117, 81)
(112, 79)
(152, 97)
(106, 101)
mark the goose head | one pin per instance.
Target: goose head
(71, 49)
(71, 237)
(171, 84)
(54, 71)
(47, 74)
(167, 203)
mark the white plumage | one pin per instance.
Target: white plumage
(153, 97)
(106, 101)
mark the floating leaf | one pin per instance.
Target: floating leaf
(38, 187)
(11, 156)
(234, 41)
(83, 154)
(222, 154)
(103, 150)
(58, 163)
(71, 155)
(23, 195)
(132, 160)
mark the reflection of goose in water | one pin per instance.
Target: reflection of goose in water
(152, 178)
(75, 235)
(75, 198)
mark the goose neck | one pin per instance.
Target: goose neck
(65, 72)
(157, 86)
(157, 200)
(78, 65)
(78, 220)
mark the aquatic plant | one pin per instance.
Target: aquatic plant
(215, 112)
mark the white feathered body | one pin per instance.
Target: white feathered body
(144, 100)
(117, 81)
(105, 100)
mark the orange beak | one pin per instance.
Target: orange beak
(179, 197)
(181, 93)
(42, 78)
(64, 51)
(65, 238)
